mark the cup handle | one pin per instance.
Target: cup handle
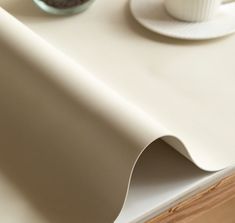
(227, 1)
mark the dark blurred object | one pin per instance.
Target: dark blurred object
(63, 7)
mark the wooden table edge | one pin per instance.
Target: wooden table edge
(198, 204)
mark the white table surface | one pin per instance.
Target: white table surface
(157, 74)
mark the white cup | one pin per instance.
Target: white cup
(193, 10)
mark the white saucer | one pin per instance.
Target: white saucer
(152, 15)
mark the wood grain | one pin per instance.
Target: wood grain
(224, 213)
(211, 204)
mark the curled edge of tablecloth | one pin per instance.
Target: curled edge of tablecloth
(140, 132)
